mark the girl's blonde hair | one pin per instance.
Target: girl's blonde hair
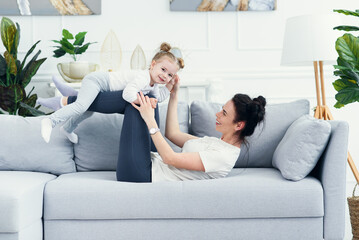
(165, 51)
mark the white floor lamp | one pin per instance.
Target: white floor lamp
(310, 39)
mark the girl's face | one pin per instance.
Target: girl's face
(225, 120)
(163, 70)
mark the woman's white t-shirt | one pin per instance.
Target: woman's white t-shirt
(218, 158)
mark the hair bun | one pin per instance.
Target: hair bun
(260, 100)
(180, 63)
(165, 47)
(259, 111)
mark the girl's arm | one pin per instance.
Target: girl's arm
(190, 161)
(173, 132)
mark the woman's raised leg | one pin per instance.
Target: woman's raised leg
(134, 160)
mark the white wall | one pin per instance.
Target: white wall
(243, 49)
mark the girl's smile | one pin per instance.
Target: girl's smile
(162, 71)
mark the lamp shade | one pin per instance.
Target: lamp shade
(309, 38)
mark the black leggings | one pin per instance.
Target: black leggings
(134, 160)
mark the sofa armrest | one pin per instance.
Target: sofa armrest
(331, 171)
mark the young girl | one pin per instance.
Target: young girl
(164, 67)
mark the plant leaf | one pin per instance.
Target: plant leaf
(27, 54)
(339, 105)
(346, 28)
(67, 34)
(16, 42)
(80, 50)
(343, 83)
(348, 95)
(341, 67)
(31, 71)
(80, 38)
(30, 111)
(20, 77)
(10, 97)
(3, 66)
(8, 31)
(11, 63)
(347, 48)
(347, 12)
(59, 53)
(67, 46)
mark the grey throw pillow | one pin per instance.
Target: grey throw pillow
(203, 118)
(23, 148)
(99, 141)
(301, 147)
(266, 137)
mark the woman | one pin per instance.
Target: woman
(201, 158)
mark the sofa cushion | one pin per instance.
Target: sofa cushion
(256, 193)
(301, 147)
(21, 199)
(266, 137)
(99, 138)
(23, 148)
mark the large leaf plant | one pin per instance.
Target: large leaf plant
(15, 75)
(347, 68)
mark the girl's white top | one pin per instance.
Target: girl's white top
(134, 81)
(218, 158)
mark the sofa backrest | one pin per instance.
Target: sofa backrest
(266, 137)
(99, 138)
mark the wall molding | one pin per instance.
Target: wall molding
(233, 74)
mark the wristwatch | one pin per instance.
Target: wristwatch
(154, 130)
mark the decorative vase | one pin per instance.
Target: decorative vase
(76, 71)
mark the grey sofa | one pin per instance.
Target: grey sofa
(61, 191)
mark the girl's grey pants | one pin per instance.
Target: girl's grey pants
(74, 113)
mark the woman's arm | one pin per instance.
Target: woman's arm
(190, 161)
(173, 132)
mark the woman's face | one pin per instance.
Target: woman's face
(163, 70)
(225, 119)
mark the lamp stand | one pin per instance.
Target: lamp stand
(322, 110)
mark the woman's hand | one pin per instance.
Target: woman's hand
(146, 110)
(176, 84)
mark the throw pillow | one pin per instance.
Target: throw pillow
(23, 149)
(301, 147)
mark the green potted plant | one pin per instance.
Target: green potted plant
(16, 75)
(75, 70)
(347, 68)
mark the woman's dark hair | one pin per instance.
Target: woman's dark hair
(251, 111)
